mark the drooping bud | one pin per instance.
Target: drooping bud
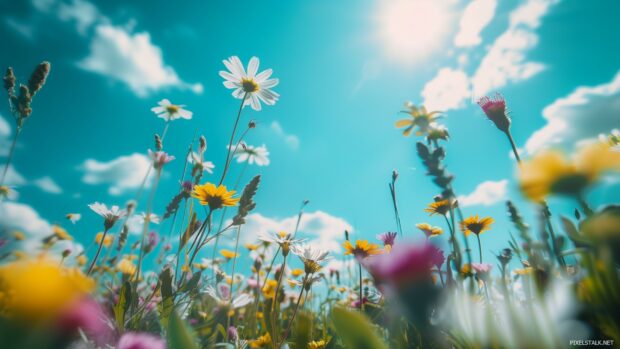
(202, 147)
(38, 77)
(158, 143)
(252, 124)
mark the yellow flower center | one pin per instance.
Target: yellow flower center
(172, 109)
(249, 85)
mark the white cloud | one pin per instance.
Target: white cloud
(5, 135)
(584, 113)
(291, 140)
(83, 13)
(13, 177)
(132, 59)
(48, 185)
(122, 174)
(486, 194)
(24, 29)
(448, 90)
(21, 217)
(321, 228)
(476, 16)
(506, 59)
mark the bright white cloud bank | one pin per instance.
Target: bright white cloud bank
(132, 59)
(321, 228)
(121, 174)
(48, 185)
(477, 15)
(486, 194)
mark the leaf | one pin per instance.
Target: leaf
(355, 330)
(246, 203)
(302, 334)
(120, 308)
(166, 306)
(190, 285)
(573, 233)
(180, 335)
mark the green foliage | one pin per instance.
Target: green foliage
(355, 330)
(180, 335)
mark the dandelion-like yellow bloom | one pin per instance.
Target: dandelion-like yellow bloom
(552, 172)
(228, 254)
(39, 290)
(60, 233)
(81, 260)
(476, 225)
(429, 230)
(126, 266)
(269, 290)
(441, 207)
(297, 272)
(362, 248)
(107, 241)
(261, 342)
(251, 247)
(215, 197)
(19, 236)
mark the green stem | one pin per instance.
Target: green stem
(479, 247)
(147, 219)
(92, 264)
(361, 288)
(232, 278)
(514, 146)
(10, 155)
(232, 137)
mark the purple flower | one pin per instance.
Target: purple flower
(495, 109)
(87, 315)
(187, 186)
(135, 340)
(482, 269)
(406, 263)
(387, 238)
(232, 333)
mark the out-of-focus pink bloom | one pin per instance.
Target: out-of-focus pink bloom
(135, 340)
(87, 315)
(387, 238)
(160, 158)
(482, 269)
(153, 240)
(253, 283)
(495, 109)
(406, 263)
(232, 333)
(356, 303)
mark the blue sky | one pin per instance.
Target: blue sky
(345, 70)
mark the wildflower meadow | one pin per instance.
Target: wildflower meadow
(173, 249)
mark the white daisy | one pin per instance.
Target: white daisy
(251, 154)
(110, 215)
(153, 218)
(170, 112)
(160, 158)
(74, 217)
(249, 85)
(196, 159)
(7, 192)
(222, 296)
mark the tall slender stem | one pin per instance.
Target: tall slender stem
(479, 247)
(290, 324)
(232, 278)
(232, 137)
(514, 146)
(147, 219)
(92, 264)
(10, 155)
(361, 291)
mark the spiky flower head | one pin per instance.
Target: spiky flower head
(494, 107)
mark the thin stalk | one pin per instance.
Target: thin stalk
(10, 155)
(479, 247)
(514, 146)
(92, 264)
(290, 324)
(232, 283)
(232, 137)
(361, 292)
(147, 220)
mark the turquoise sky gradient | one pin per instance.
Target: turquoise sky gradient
(340, 95)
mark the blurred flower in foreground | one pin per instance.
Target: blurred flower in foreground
(476, 225)
(261, 342)
(251, 154)
(228, 254)
(110, 215)
(222, 296)
(552, 172)
(407, 262)
(88, 316)
(215, 197)
(134, 340)
(160, 158)
(418, 117)
(362, 249)
(22, 283)
(251, 87)
(60, 233)
(170, 112)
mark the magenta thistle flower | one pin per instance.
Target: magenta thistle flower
(88, 316)
(387, 238)
(160, 158)
(495, 109)
(406, 263)
(134, 340)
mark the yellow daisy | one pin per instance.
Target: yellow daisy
(107, 241)
(476, 225)
(261, 342)
(362, 248)
(441, 207)
(61, 233)
(228, 254)
(215, 197)
(429, 230)
(418, 117)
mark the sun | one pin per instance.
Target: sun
(410, 31)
